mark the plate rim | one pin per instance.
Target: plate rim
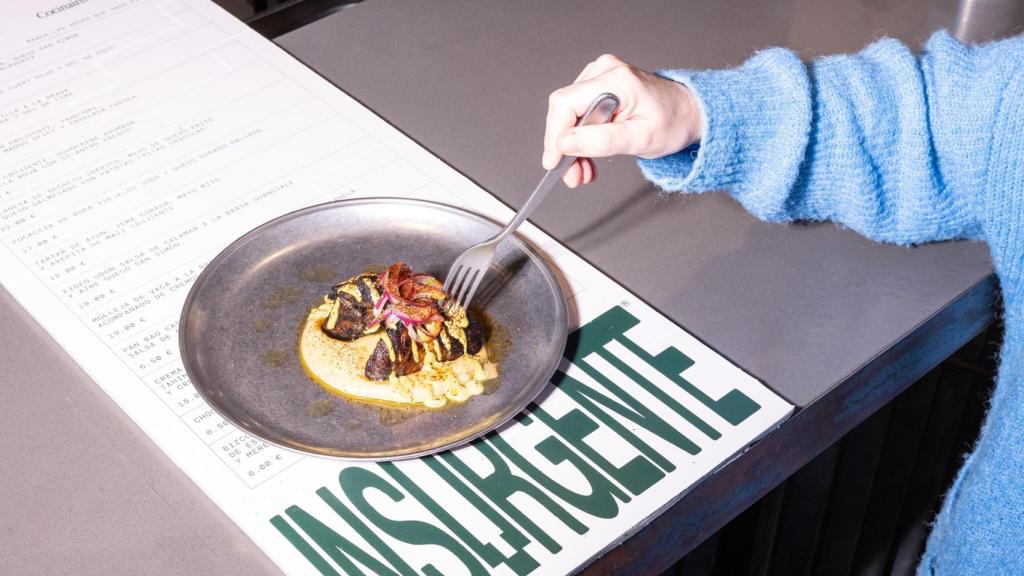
(560, 320)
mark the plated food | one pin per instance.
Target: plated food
(287, 265)
(390, 338)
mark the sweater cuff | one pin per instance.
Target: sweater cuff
(755, 124)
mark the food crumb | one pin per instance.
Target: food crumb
(394, 416)
(320, 408)
(275, 358)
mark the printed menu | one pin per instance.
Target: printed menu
(138, 138)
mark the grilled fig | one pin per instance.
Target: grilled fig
(354, 314)
(406, 362)
(474, 334)
(378, 365)
(453, 350)
(350, 321)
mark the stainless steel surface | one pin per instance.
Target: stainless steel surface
(981, 20)
(89, 493)
(240, 322)
(467, 272)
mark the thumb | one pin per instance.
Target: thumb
(600, 140)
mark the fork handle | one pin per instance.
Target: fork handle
(599, 112)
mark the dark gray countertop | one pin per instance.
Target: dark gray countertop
(831, 321)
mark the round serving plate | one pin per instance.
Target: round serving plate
(240, 324)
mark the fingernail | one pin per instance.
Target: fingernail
(547, 161)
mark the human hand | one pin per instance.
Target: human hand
(656, 117)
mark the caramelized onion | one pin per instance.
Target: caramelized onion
(412, 299)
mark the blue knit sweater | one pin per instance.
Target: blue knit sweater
(904, 149)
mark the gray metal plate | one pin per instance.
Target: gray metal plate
(241, 320)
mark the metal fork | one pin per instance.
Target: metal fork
(467, 272)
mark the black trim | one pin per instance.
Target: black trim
(294, 14)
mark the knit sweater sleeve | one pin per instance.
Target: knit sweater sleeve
(890, 144)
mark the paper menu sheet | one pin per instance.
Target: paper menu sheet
(138, 138)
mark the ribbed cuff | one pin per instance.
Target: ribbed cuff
(756, 121)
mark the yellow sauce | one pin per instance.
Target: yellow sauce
(340, 368)
(352, 290)
(332, 316)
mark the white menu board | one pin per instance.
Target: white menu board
(140, 137)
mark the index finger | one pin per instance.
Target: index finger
(565, 106)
